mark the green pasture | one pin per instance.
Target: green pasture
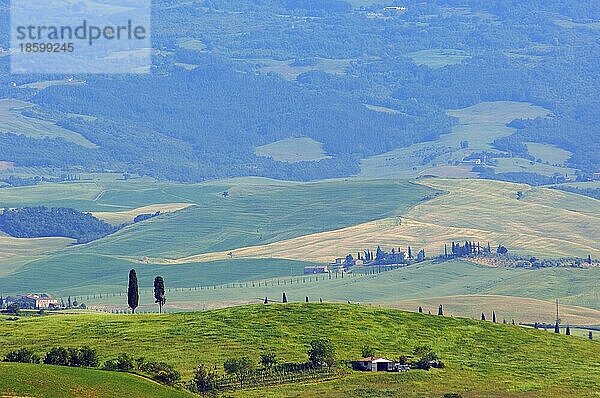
(483, 359)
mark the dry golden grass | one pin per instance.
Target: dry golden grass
(544, 222)
(11, 247)
(120, 217)
(506, 307)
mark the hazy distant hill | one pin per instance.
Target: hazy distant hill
(230, 76)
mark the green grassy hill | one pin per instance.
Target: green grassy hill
(43, 381)
(483, 359)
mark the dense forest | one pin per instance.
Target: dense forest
(40, 222)
(204, 121)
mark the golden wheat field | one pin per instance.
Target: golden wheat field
(544, 222)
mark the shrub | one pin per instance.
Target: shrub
(160, 371)
(267, 360)
(123, 363)
(88, 357)
(57, 356)
(23, 355)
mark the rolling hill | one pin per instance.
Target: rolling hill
(482, 359)
(25, 380)
(267, 229)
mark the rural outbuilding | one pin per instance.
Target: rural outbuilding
(374, 364)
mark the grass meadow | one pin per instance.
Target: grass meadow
(458, 284)
(25, 380)
(483, 359)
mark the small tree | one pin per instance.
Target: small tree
(568, 331)
(267, 360)
(420, 310)
(159, 292)
(321, 353)
(590, 335)
(556, 328)
(133, 297)
(494, 316)
(441, 310)
(482, 316)
(239, 367)
(367, 352)
(284, 298)
(204, 381)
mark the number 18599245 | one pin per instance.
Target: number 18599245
(46, 47)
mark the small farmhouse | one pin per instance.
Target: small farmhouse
(316, 269)
(32, 301)
(375, 364)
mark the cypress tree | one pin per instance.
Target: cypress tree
(589, 259)
(482, 316)
(513, 322)
(284, 298)
(307, 299)
(266, 300)
(159, 292)
(409, 253)
(556, 328)
(590, 336)
(420, 310)
(441, 310)
(536, 326)
(133, 297)
(445, 250)
(568, 332)
(494, 316)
